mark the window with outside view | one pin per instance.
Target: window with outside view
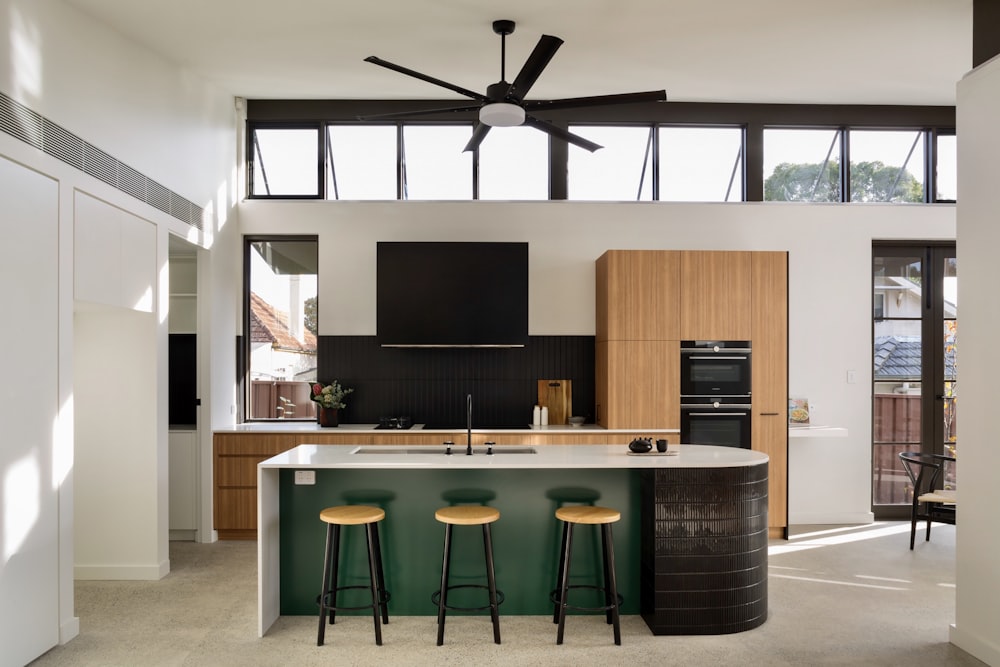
(281, 315)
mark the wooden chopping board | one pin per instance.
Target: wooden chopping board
(557, 396)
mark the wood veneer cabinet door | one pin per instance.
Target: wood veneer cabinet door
(639, 384)
(715, 295)
(637, 295)
(769, 425)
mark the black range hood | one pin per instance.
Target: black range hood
(452, 294)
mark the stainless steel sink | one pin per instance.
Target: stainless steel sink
(456, 450)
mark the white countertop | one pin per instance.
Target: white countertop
(290, 426)
(817, 432)
(547, 456)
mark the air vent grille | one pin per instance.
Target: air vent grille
(32, 128)
(63, 145)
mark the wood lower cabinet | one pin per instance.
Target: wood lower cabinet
(235, 460)
(237, 454)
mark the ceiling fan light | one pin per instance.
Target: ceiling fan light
(501, 114)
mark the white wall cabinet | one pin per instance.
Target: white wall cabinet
(114, 256)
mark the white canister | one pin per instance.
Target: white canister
(536, 416)
(545, 416)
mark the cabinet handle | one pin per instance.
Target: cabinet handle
(769, 414)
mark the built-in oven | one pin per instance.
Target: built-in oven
(711, 421)
(715, 368)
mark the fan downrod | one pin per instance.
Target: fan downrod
(503, 27)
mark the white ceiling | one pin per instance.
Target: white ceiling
(794, 51)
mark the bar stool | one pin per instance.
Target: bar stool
(593, 515)
(352, 515)
(467, 515)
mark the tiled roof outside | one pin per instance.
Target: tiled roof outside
(898, 358)
(268, 325)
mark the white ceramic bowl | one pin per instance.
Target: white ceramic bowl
(576, 421)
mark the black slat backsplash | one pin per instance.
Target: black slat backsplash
(430, 385)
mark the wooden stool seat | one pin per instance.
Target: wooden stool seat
(467, 515)
(589, 514)
(352, 515)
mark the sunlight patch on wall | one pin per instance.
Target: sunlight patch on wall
(62, 437)
(21, 489)
(25, 57)
(145, 302)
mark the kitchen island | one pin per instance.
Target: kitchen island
(238, 449)
(691, 547)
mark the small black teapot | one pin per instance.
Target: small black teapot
(641, 445)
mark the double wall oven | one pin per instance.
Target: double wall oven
(715, 393)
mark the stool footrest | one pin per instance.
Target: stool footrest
(436, 598)
(554, 597)
(325, 598)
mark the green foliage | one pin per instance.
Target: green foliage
(870, 182)
(803, 182)
(311, 319)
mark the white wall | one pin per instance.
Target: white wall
(117, 95)
(977, 611)
(33, 451)
(167, 124)
(118, 499)
(830, 248)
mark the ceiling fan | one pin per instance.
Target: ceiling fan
(504, 105)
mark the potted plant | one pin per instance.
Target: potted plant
(329, 398)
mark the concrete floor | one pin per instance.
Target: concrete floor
(837, 596)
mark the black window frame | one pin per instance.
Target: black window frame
(251, 153)
(244, 342)
(752, 118)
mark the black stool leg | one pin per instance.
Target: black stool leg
(326, 585)
(334, 573)
(609, 569)
(381, 574)
(564, 582)
(559, 576)
(443, 598)
(491, 580)
(374, 584)
(604, 571)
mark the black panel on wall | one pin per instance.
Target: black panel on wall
(430, 385)
(182, 374)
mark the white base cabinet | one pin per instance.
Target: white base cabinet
(183, 484)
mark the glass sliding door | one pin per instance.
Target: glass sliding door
(914, 351)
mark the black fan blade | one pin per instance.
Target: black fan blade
(423, 77)
(560, 133)
(418, 112)
(479, 133)
(544, 50)
(597, 101)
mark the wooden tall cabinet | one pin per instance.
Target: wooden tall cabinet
(769, 381)
(637, 355)
(648, 301)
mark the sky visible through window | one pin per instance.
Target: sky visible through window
(695, 163)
